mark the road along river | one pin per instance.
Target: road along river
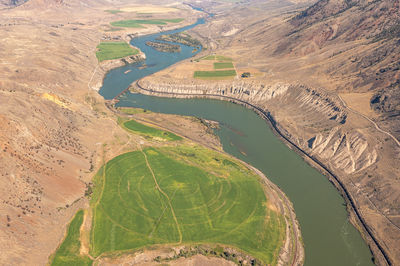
(329, 238)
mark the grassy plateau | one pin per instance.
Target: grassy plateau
(138, 23)
(114, 50)
(182, 195)
(68, 252)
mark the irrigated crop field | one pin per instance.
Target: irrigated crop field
(68, 252)
(114, 50)
(138, 23)
(223, 65)
(182, 195)
(214, 74)
(142, 129)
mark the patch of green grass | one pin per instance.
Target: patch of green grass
(113, 11)
(137, 23)
(142, 129)
(132, 111)
(183, 195)
(214, 74)
(216, 57)
(68, 252)
(223, 65)
(114, 50)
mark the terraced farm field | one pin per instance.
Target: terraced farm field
(182, 195)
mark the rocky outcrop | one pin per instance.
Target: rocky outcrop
(110, 64)
(345, 150)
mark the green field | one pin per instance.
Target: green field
(138, 23)
(137, 127)
(224, 65)
(214, 74)
(113, 11)
(132, 110)
(182, 195)
(114, 50)
(68, 252)
(216, 57)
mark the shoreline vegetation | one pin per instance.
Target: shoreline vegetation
(164, 47)
(182, 38)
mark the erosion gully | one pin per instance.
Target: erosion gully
(329, 238)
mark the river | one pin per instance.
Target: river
(329, 238)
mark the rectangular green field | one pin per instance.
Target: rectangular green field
(137, 127)
(68, 253)
(137, 23)
(223, 65)
(114, 50)
(214, 74)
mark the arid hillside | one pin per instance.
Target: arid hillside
(54, 128)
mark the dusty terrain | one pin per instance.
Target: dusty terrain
(328, 75)
(49, 115)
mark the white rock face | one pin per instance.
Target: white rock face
(316, 119)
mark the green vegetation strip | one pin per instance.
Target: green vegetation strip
(114, 50)
(113, 11)
(68, 252)
(214, 74)
(137, 23)
(150, 131)
(223, 65)
(182, 195)
(216, 57)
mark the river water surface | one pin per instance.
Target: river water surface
(328, 236)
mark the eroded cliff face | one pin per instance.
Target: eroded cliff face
(314, 120)
(319, 124)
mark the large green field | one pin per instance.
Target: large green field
(214, 74)
(138, 23)
(68, 252)
(182, 195)
(223, 65)
(142, 129)
(114, 50)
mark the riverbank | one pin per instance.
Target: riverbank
(292, 252)
(355, 214)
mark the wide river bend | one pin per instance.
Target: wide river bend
(329, 238)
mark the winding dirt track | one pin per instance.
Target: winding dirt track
(267, 116)
(367, 118)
